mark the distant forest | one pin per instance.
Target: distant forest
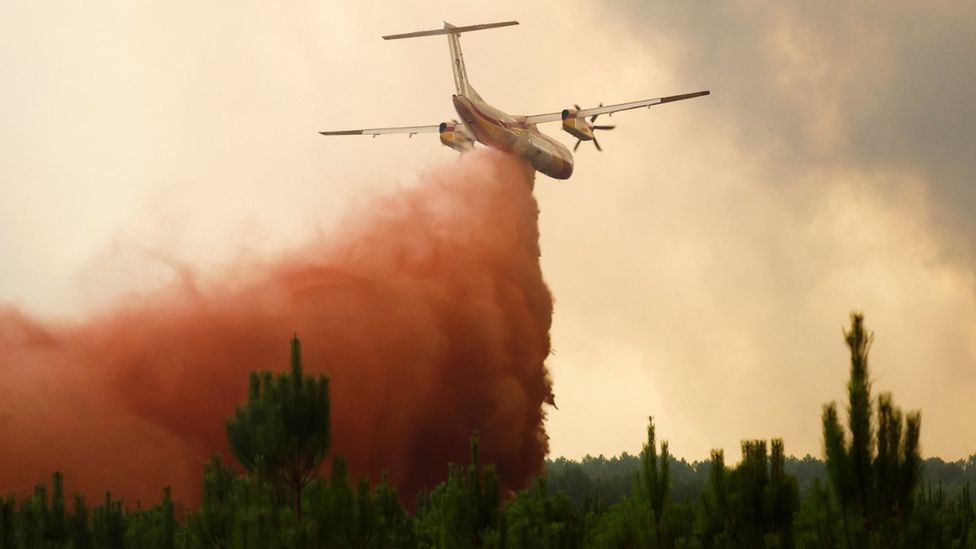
(612, 479)
(870, 489)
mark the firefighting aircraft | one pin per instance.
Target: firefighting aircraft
(514, 134)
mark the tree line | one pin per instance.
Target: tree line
(611, 478)
(871, 489)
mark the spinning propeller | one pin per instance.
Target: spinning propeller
(593, 128)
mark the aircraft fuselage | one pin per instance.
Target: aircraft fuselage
(494, 128)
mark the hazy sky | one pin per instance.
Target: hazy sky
(703, 265)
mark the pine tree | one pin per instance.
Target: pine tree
(462, 510)
(212, 524)
(80, 533)
(108, 524)
(753, 505)
(168, 518)
(875, 470)
(283, 429)
(56, 528)
(7, 522)
(653, 483)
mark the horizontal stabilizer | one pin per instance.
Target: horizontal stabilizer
(450, 29)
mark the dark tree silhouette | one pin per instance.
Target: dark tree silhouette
(653, 481)
(463, 509)
(876, 469)
(282, 431)
(753, 504)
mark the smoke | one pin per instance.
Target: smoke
(428, 311)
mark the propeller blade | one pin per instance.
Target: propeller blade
(597, 143)
(576, 146)
(577, 107)
(592, 118)
(604, 127)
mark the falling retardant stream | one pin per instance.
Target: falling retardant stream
(428, 312)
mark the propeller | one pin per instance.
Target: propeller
(595, 127)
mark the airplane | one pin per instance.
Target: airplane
(514, 134)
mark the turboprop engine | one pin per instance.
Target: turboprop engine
(580, 128)
(455, 135)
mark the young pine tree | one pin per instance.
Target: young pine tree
(57, 531)
(8, 514)
(875, 469)
(653, 482)
(464, 509)
(78, 529)
(282, 431)
(752, 506)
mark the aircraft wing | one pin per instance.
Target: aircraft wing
(609, 109)
(409, 130)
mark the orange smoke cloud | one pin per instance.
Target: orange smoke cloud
(429, 314)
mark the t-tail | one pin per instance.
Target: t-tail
(461, 84)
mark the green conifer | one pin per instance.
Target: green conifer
(283, 429)
(875, 469)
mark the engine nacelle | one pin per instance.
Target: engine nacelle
(577, 126)
(455, 136)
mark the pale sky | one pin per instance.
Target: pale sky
(703, 265)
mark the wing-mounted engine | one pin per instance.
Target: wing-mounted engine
(455, 135)
(581, 128)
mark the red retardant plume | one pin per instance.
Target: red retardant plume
(428, 312)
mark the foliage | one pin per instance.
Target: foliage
(653, 482)
(643, 519)
(874, 470)
(536, 520)
(753, 504)
(283, 429)
(463, 510)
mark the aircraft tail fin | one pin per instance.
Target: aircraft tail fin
(461, 85)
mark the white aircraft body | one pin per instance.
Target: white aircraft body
(514, 134)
